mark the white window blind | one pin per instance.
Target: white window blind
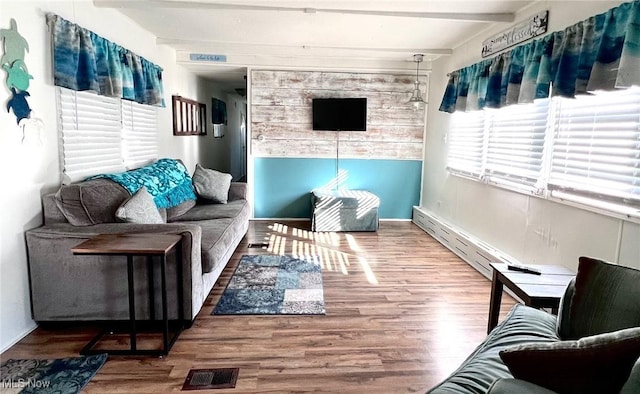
(90, 130)
(139, 133)
(583, 151)
(466, 143)
(596, 149)
(516, 144)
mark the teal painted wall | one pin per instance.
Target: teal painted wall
(283, 185)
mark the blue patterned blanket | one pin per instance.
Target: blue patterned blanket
(167, 180)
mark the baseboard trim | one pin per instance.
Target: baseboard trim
(308, 220)
(19, 338)
(478, 254)
(280, 219)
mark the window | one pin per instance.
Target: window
(90, 132)
(515, 146)
(139, 133)
(585, 150)
(596, 149)
(103, 134)
(466, 144)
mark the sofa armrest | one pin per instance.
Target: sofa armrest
(49, 254)
(238, 191)
(56, 230)
(510, 386)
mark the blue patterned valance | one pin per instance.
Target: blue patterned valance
(600, 53)
(82, 60)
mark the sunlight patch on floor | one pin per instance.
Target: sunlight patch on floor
(304, 244)
(446, 341)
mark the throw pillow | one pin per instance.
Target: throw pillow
(596, 364)
(140, 209)
(90, 202)
(211, 184)
(606, 299)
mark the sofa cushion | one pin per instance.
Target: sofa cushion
(90, 202)
(606, 299)
(476, 374)
(594, 364)
(140, 209)
(564, 310)
(175, 212)
(211, 184)
(211, 211)
(218, 236)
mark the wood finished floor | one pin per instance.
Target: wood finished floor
(402, 313)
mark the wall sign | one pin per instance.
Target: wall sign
(204, 57)
(534, 26)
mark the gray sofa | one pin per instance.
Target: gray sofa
(592, 346)
(67, 287)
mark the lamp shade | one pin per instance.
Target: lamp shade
(416, 95)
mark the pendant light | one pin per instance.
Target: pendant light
(416, 97)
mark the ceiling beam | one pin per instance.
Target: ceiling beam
(307, 63)
(176, 42)
(200, 4)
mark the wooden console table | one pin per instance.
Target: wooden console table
(537, 291)
(131, 245)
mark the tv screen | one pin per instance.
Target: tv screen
(334, 114)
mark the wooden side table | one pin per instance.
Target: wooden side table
(537, 291)
(149, 245)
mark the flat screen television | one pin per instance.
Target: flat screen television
(335, 114)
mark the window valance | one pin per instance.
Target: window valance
(599, 53)
(82, 60)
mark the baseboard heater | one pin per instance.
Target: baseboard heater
(476, 253)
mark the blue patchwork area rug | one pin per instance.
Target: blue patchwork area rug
(60, 376)
(273, 285)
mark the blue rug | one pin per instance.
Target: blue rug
(60, 376)
(273, 285)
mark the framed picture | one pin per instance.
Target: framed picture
(189, 116)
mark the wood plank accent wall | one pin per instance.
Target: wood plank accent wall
(281, 115)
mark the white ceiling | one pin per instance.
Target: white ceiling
(322, 34)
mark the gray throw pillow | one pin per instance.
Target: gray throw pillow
(90, 202)
(211, 184)
(595, 364)
(140, 209)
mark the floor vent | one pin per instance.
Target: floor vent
(208, 379)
